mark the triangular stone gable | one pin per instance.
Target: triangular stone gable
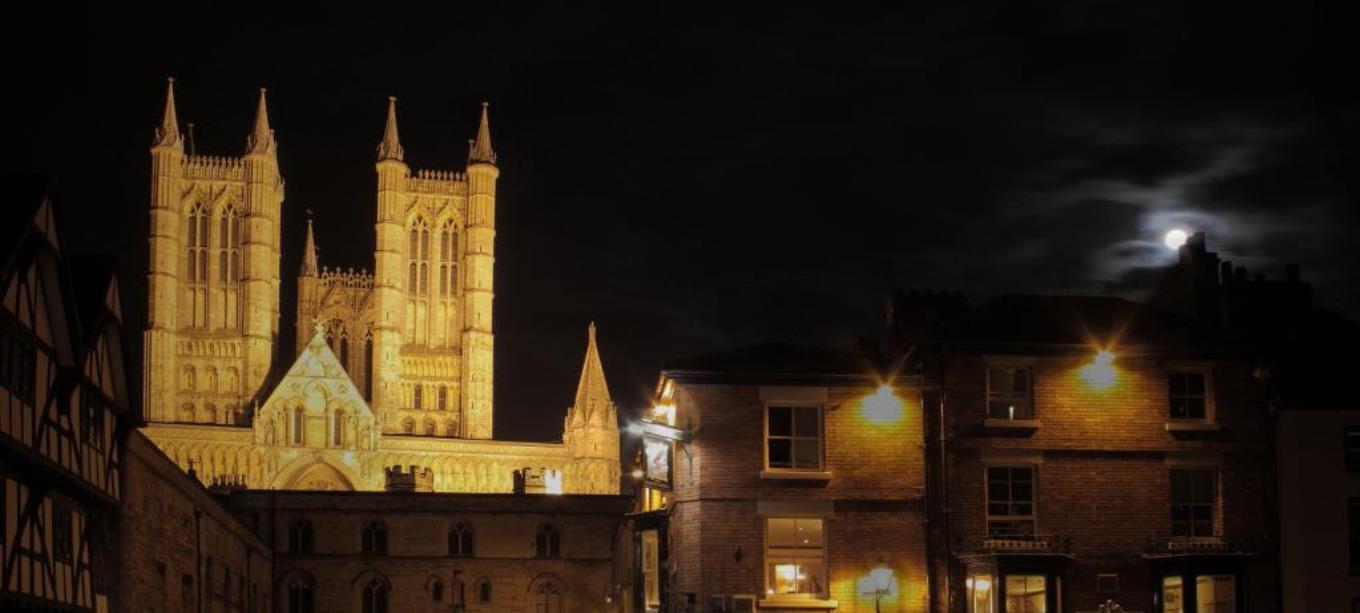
(317, 363)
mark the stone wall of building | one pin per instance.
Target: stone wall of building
(177, 545)
(504, 554)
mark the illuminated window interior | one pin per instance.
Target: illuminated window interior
(795, 557)
(1026, 594)
(651, 563)
(978, 589)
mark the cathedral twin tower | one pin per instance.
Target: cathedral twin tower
(412, 344)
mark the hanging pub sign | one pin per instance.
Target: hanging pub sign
(657, 454)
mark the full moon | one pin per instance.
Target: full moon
(1175, 238)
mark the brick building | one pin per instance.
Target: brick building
(401, 551)
(1092, 451)
(780, 477)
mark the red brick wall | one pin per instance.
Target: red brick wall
(874, 493)
(1106, 455)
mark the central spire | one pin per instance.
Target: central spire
(168, 134)
(309, 268)
(592, 393)
(261, 136)
(481, 150)
(390, 147)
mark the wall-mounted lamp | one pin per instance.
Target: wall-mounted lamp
(882, 406)
(1100, 373)
(878, 583)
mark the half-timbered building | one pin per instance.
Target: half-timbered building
(63, 407)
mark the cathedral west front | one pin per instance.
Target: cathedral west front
(393, 367)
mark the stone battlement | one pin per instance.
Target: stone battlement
(414, 479)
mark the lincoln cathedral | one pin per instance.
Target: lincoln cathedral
(393, 367)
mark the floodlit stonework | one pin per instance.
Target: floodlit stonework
(394, 368)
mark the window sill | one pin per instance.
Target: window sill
(796, 475)
(1011, 424)
(798, 603)
(1192, 426)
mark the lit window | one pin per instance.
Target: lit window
(1008, 393)
(793, 438)
(1193, 502)
(1188, 394)
(1010, 500)
(1026, 594)
(374, 537)
(1216, 593)
(651, 562)
(795, 557)
(460, 540)
(979, 593)
(547, 543)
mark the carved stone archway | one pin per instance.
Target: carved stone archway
(320, 476)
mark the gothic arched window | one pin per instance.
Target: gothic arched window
(368, 367)
(448, 255)
(229, 243)
(344, 350)
(297, 425)
(437, 590)
(374, 537)
(429, 428)
(548, 598)
(374, 596)
(418, 253)
(443, 397)
(198, 245)
(451, 429)
(408, 426)
(417, 396)
(300, 536)
(338, 428)
(547, 544)
(483, 590)
(460, 540)
(300, 595)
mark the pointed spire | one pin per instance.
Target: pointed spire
(481, 148)
(309, 268)
(261, 136)
(168, 134)
(390, 147)
(592, 393)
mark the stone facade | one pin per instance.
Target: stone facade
(412, 387)
(179, 548)
(438, 551)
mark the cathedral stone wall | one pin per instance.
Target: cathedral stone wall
(393, 368)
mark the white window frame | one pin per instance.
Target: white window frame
(768, 572)
(1033, 517)
(1193, 368)
(1023, 364)
(821, 437)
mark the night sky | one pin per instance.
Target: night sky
(697, 180)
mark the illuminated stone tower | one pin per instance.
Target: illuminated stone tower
(591, 429)
(214, 275)
(432, 292)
